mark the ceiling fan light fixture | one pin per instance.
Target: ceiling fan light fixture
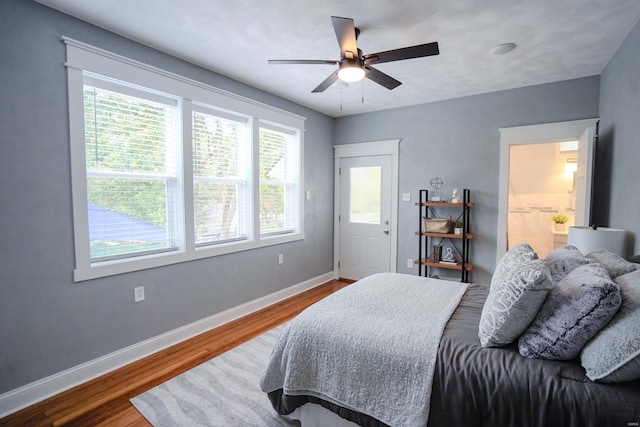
(351, 70)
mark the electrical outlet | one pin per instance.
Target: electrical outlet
(406, 197)
(409, 263)
(138, 294)
(280, 259)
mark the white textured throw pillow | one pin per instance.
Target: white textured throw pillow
(613, 355)
(519, 286)
(512, 259)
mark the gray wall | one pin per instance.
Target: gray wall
(458, 141)
(618, 202)
(48, 323)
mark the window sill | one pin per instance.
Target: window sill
(111, 268)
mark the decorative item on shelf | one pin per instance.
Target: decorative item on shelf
(448, 258)
(457, 227)
(436, 183)
(455, 197)
(437, 225)
(436, 253)
(560, 220)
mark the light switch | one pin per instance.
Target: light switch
(138, 294)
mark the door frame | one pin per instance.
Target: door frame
(364, 149)
(532, 134)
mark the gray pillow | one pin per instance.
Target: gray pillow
(613, 355)
(514, 299)
(575, 310)
(615, 265)
(563, 261)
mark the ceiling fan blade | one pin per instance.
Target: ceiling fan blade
(381, 78)
(346, 35)
(303, 61)
(427, 49)
(326, 83)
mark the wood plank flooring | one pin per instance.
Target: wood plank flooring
(104, 401)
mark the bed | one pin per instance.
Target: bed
(473, 380)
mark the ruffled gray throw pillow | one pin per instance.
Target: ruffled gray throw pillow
(563, 261)
(615, 265)
(575, 310)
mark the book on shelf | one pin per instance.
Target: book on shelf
(449, 262)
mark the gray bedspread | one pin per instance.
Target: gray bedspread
(370, 347)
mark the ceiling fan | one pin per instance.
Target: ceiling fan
(353, 65)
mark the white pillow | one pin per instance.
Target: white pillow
(512, 259)
(613, 355)
(519, 286)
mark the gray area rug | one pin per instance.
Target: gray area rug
(225, 391)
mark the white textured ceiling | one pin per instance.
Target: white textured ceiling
(556, 40)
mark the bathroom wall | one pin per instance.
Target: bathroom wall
(539, 187)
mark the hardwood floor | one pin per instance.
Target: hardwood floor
(104, 401)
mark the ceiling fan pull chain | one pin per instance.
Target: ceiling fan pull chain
(363, 91)
(341, 90)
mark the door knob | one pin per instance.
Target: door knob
(386, 231)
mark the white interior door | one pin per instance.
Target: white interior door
(365, 216)
(583, 177)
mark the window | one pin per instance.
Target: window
(130, 156)
(278, 175)
(167, 170)
(365, 205)
(220, 177)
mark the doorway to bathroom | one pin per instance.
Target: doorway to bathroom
(541, 201)
(544, 183)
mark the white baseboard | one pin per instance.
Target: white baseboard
(37, 391)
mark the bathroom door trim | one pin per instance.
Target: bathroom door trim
(533, 134)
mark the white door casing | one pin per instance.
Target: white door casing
(364, 245)
(535, 134)
(583, 177)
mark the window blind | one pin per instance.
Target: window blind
(278, 167)
(130, 152)
(220, 177)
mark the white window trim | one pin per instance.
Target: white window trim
(81, 58)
